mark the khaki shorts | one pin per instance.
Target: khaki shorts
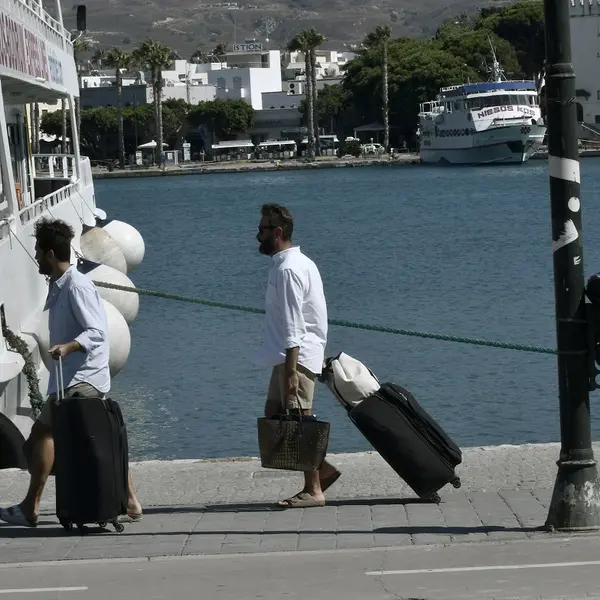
(83, 390)
(277, 395)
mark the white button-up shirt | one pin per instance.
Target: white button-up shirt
(76, 313)
(296, 311)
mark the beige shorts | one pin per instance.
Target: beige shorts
(277, 396)
(84, 390)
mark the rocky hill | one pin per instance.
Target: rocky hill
(186, 25)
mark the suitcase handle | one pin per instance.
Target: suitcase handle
(60, 382)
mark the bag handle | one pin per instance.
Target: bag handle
(58, 375)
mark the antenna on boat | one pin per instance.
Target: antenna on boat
(497, 73)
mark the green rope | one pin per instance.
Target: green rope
(337, 322)
(17, 344)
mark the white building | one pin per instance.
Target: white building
(330, 64)
(242, 75)
(585, 44)
(245, 75)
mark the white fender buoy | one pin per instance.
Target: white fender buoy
(98, 246)
(127, 303)
(128, 238)
(119, 338)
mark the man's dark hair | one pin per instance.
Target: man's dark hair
(279, 216)
(55, 235)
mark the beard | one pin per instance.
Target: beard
(44, 268)
(267, 247)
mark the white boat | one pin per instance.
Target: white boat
(498, 121)
(37, 66)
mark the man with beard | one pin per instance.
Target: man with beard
(78, 336)
(295, 336)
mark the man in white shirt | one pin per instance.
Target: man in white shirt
(295, 336)
(79, 336)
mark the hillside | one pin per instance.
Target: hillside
(185, 25)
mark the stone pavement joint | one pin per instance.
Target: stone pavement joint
(206, 507)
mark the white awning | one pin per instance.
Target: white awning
(233, 144)
(278, 143)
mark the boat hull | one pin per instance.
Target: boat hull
(505, 145)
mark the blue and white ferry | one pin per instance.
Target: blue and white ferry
(498, 121)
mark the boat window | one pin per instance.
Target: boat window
(475, 103)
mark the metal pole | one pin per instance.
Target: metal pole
(575, 501)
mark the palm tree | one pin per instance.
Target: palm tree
(155, 57)
(80, 45)
(306, 42)
(379, 39)
(98, 58)
(315, 40)
(119, 60)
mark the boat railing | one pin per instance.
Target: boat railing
(34, 17)
(42, 205)
(53, 166)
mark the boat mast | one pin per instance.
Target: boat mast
(496, 71)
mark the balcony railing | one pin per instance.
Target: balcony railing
(54, 166)
(41, 205)
(35, 18)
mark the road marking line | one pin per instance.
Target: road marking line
(42, 590)
(587, 563)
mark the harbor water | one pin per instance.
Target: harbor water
(460, 251)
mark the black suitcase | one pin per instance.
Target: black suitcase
(409, 440)
(91, 462)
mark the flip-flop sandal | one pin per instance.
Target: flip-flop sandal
(302, 500)
(14, 516)
(327, 482)
(131, 518)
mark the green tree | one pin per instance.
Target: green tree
(417, 71)
(175, 121)
(99, 129)
(223, 117)
(120, 61)
(522, 25)
(155, 57)
(378, 41)
(334, 109)
(473, 48)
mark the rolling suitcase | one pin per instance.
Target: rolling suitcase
(91, 460)
(408, 439)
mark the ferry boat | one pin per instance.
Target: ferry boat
(498, 121)
(37, 66)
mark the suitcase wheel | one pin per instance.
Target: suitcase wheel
(83, 530)
(119, 527)
(456, 482)
(102, 524)
(67, 525)
(435, 498)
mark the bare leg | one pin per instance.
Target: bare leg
(134, 508)
(42, 459)
(313, 482)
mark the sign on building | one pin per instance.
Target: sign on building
(248, 47)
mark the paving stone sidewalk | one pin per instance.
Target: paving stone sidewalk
(217, 507)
